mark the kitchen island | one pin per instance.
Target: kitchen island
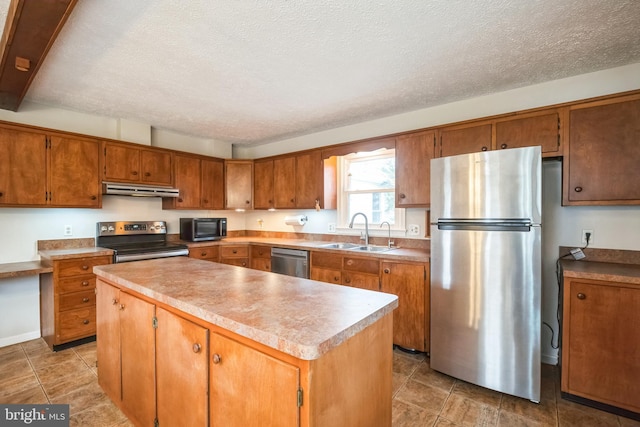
(185, 341)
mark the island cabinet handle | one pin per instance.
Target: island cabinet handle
(85, 283)
(85, 299)
(581, 296)
(217, 359)
(386, 271)
(503, 146)
(121, 306)
(484, 148)
(85, 322)
(196, 348)
(114, 301)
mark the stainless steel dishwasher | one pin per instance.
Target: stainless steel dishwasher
(292, 262)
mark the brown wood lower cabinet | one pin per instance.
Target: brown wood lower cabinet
(208, 253)
(408, 280)
(67, 300)
(235, 255)
(601, 342)
(261, 257)
(163, 367)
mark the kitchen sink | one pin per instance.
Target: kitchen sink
(339, 246)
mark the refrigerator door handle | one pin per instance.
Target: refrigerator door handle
(516, 224)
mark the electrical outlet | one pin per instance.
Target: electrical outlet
(414, 230)
(68, 231)
(584, 237)
(331, 227)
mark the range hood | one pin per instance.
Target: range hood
(139, 190)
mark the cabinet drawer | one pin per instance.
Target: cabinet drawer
(327, 260)
(326, 275)
(261, 252)
(362, 265)
(234, 252)
(78, 323)
(205, 252)
(73, 267)
(262, 264)
(77, 300)
(76, 284)
(240, 262)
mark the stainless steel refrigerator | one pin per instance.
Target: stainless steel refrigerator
(486, 269)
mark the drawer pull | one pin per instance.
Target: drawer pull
(85, 267)
(402, 196)
(196, 348)
(203, 254)
(577, 189)
(85, 283)
(217, 359)
(85, 322)
(484, 148)
(235, 251)
(244, 264)
(386, 271)
(85, 299)
(147, 174)
(335, 279)
(350, 262)
(134, 173)
(347, 280)
(581, 296)
(503, 146)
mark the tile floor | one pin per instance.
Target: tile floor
(31, 373)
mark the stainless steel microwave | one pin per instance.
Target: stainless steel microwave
(202, 229)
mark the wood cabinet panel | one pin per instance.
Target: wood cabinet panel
(362, 281)
(76, 283)
(247, 385)
(126, 162)
(326, 259)
(309, 180)
(238, 184)
(234, 251)
(187, 180)
(542, 130)
(108, 340)
(362, 265)
(76, 324)
(284, 183)
(23, 166)
(326, 275)
(182, 361)
(261, 257)
(209, 253)
(604, 153)
(463, 140)
(155, 167)
(413, 164)
(601, 342)
(410, 319)
(263, 184)
(74, 178)
(77, 300)
(212, 184)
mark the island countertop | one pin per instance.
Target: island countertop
(300, 317)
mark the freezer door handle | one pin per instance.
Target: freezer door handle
(515, 224)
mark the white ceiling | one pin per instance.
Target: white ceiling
(252, 72)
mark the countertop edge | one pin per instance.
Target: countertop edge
(23, 269)
(604, 271)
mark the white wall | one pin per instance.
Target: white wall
(614, 227)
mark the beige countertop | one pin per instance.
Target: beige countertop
(22, 269)
(300, 317)
(58, 254)
(606, 271)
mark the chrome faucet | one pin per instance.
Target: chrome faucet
(389, 242)
(366, 226)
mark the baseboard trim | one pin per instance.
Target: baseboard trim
(16, 339)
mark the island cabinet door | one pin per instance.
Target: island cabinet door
(248, 387)
(182, 371)
(108, 339)
(137, 350)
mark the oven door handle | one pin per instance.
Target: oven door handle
(150, 255)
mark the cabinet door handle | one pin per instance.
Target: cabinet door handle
(234, 251)
(484, 148)
(134, 173)
(85, 267)
(114, 301)
(121, 307)
(402, 196)
(85, 299)
(85, 283)
(196, 348)
(1, 194)
(147, 174)
(503, 146)
(335, 279)
(577, 189)
(85, 322)
(386, 271)
(205, 201)
(347, 280)
(247, 201)
(349, 262)
(581, 295)
(217, 359)
(244, 264)
(94, 197)
(180, 199)
(203, 254)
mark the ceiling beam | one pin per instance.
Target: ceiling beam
(29, 32)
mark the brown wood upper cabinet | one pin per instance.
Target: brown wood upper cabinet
(292, 181)
(601, 163)
(200, 181)
(538, 129)
(238, 176)
(413, 162)
(465, 139)
(125, 162)
(40, 170)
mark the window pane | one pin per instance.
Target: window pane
(377, 207)
(371, 174)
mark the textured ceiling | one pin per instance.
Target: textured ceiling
(251, 72)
